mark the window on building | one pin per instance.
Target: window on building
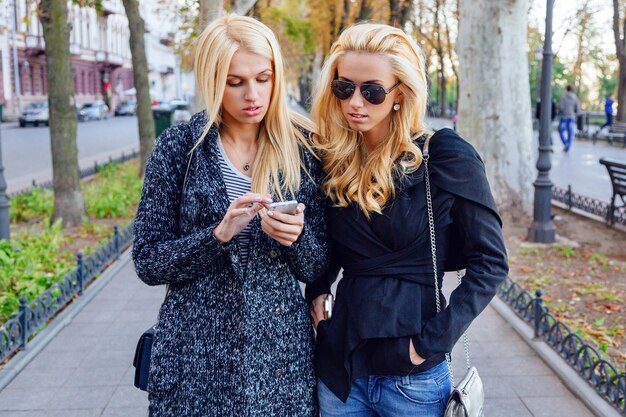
(1, 82)
(33, 81)
(86, 28)
(29, 24)
(88, 34)
(44, 86)
(26, 81)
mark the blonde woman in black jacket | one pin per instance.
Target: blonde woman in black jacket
(383, 351)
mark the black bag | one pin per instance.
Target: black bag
(142, 359)
(141, 362)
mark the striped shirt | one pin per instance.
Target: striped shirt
(237, 184)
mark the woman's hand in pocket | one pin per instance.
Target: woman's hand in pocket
(415, 358)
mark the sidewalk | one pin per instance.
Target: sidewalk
(86, 371)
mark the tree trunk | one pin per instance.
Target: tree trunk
(443, 95)
(366, 11)
(620, 51)
(450, 57)
(400, 11)
(142, 84)
(242, 7)
(494, 102)
(583, 19)
(621, 91)
(439, 4)
(68, 200)
(208, 11)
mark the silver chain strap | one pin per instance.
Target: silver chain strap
(433, 251)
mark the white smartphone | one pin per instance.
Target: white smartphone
(287, 207)
(328, 306)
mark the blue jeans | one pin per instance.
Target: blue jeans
(424, 394)
(566, 123)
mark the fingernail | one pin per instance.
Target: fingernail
(270, 213)
(267, 200)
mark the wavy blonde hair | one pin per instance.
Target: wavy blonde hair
(278, 164)
(352, 174)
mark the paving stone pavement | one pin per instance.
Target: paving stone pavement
(86, 371)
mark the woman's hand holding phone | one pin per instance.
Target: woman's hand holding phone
(317, 309)
(285, 228)
(322, 308)
(241, 211)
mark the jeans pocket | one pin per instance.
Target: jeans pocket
(420, 391)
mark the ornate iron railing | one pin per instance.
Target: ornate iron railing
(33, 315)
(85, 172)
(583, 357)
(588, 204)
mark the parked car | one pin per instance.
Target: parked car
(96, 110)
(126, 108)
(35, 114)
(181, 112)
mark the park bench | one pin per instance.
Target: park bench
(617, 173)
(617, 131)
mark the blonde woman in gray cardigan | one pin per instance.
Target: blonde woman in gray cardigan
(234, 337)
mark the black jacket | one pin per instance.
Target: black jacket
(387, 292)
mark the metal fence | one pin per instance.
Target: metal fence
(588, 204)
(33, 315)
(583, 357)
(85, 172)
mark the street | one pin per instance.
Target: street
(26, 151)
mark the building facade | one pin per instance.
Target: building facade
(100, 54)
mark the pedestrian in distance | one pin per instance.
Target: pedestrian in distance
(608, 111)
(234, 334)
(568, 108)
(383, 350)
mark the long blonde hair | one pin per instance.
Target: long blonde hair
(278, 163)
(353, 175)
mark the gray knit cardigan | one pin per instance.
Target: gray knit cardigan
(229, 342)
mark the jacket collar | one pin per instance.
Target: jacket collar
(197, 124)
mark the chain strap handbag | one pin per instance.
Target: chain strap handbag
(468, 396)
(143, 351)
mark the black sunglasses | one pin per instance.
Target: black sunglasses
(373, 93)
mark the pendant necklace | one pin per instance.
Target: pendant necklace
(246, 165)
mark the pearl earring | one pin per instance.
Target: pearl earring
(396, 106)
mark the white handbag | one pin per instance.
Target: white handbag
(468, 396)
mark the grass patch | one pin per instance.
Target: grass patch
(539, 281)
(598, 260)
(40, 253)
(565, 251)
(112, 193)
